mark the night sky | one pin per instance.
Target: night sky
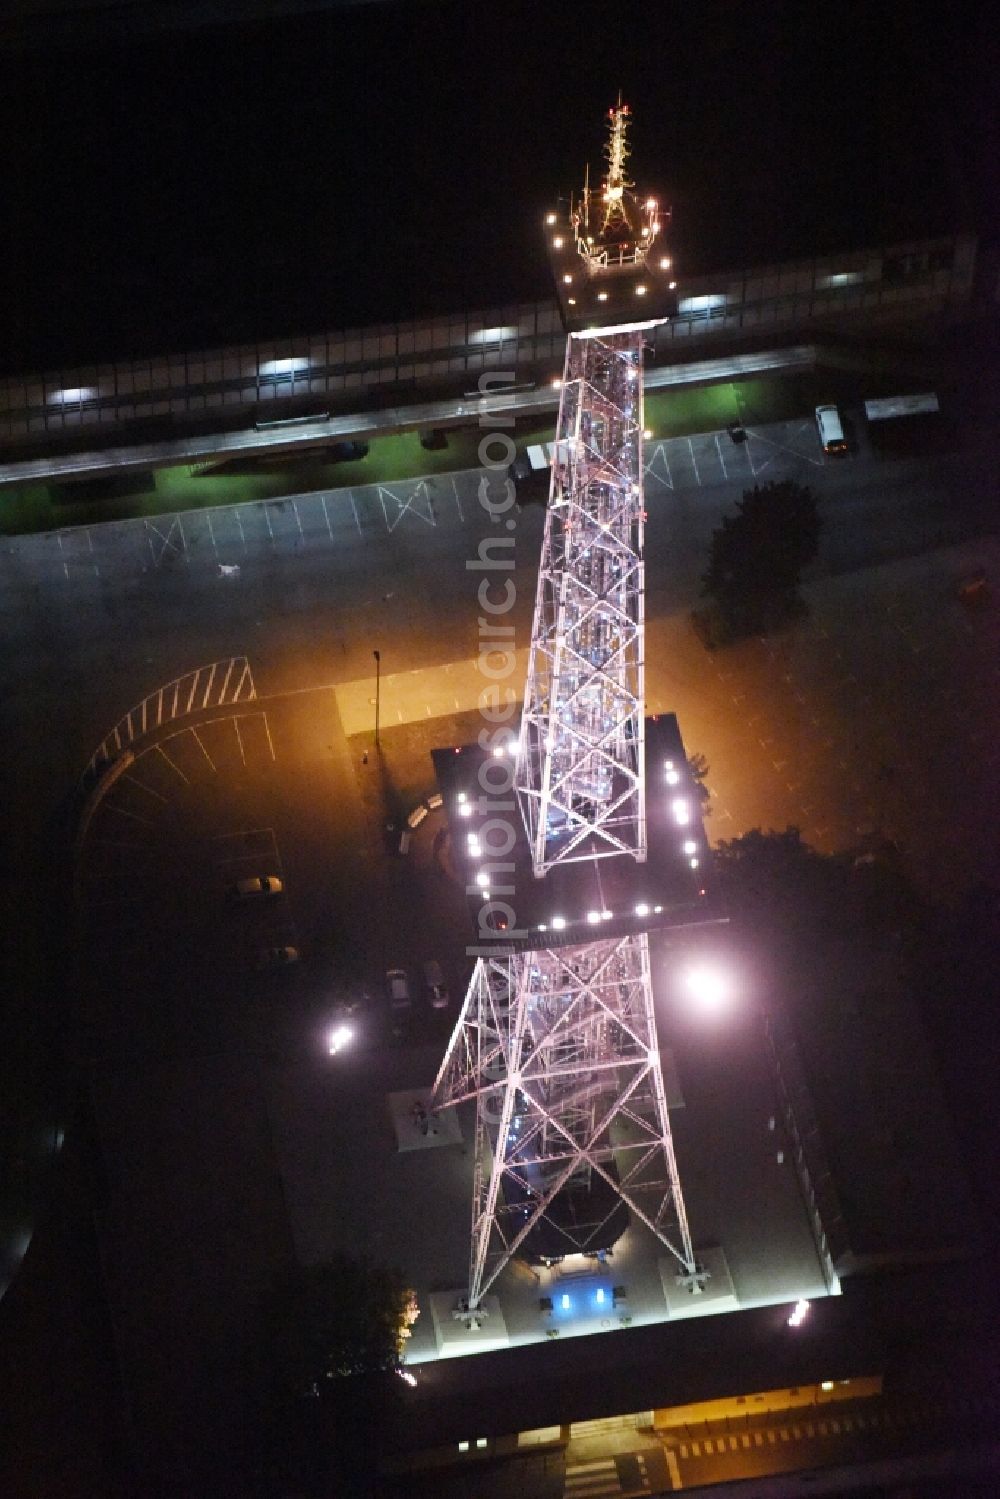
(221, 183)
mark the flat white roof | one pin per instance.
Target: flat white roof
(884, 410)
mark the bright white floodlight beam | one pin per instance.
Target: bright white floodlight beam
(709, 987)
(339, 1038)
(799, 1315)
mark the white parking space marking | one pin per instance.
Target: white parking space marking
(718, 448)
(658, 467)
(167, 541)
(76, 545)
(198, 741)
(419, 503)
(143, 787)
(162, 751)
(694, 461)
(354, 508)
(124, 812)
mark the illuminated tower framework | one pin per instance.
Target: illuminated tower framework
(557, 1042)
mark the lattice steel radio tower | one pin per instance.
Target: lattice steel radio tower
(557, 1040)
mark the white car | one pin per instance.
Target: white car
(258, 884)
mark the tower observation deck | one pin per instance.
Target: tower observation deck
(557, 1039)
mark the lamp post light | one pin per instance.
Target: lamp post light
(378, 689)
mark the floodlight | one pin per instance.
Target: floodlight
(339, 1038)
(710, 987)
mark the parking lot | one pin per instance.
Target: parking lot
(215, 1097)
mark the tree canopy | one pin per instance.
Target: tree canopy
(757, 555)
(341, 1318)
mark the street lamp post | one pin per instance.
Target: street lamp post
(378, 689)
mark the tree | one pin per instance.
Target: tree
(335, 1336)
(774, 884)
(757, 556)
(331, 1321)
(699, 768)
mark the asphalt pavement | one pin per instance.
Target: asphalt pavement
(859, 714)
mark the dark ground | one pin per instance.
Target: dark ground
(354, 164)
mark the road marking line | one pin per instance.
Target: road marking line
(160, 750)
(721, 459)
(124, 812)
(327, 515)
(208, 688)
(211, 531)
(694, 461)
(350, 496)
(183, 540)
(267, 517)
(194, 685)
(298, 518)
(225, 682)
(239, 522)
(666, 465)
(458, 502)
(239, 741)
(252, 693)
(203, 749)
(143, 787)
(270, 741)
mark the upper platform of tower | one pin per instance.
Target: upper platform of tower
(608, 252)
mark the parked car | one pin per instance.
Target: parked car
(397, 987)
(831, 430)
(437, 989)
(277, 957)
(258, 884)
